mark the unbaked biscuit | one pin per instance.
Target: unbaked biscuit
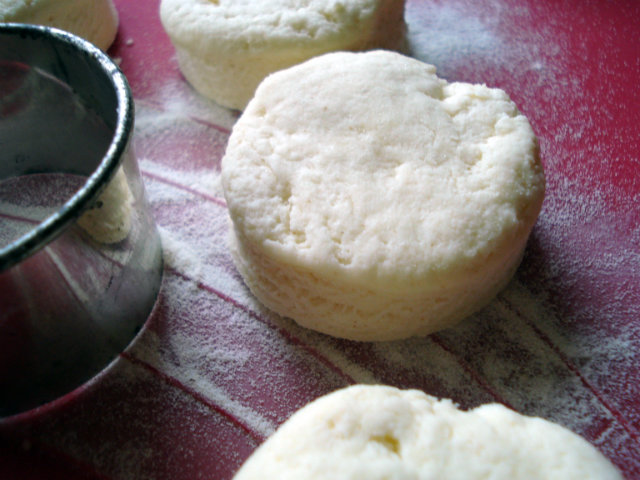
(372, 200)
(379, 432)
(226, 47)
(109, 219)
(93, 20)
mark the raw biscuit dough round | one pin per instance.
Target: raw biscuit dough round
(372, 200)
(226, 47)
(110, 219)
(93, 20)
(379, 432)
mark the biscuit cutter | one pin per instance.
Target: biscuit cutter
(80, 254)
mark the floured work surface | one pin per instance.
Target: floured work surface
(214, 373)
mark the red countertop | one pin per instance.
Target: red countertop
(213, 373)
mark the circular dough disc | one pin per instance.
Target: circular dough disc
(372, 200)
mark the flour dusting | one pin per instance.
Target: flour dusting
(560, 342)
(523, 349)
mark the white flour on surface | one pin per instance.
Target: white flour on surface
(178, 98)
(179, 256)
(443, 34)
(192, 361)
(153, 443)
(545, 346)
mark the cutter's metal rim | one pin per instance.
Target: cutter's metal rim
(58, 222)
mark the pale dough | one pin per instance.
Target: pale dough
(382, 433)
(226, 47)
(372, 200)
(93, 20)
(109, 220)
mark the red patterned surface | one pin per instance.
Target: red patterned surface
(213, 373)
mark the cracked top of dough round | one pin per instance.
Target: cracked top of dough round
(260, 26)
(368, 167)
(379, 432)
